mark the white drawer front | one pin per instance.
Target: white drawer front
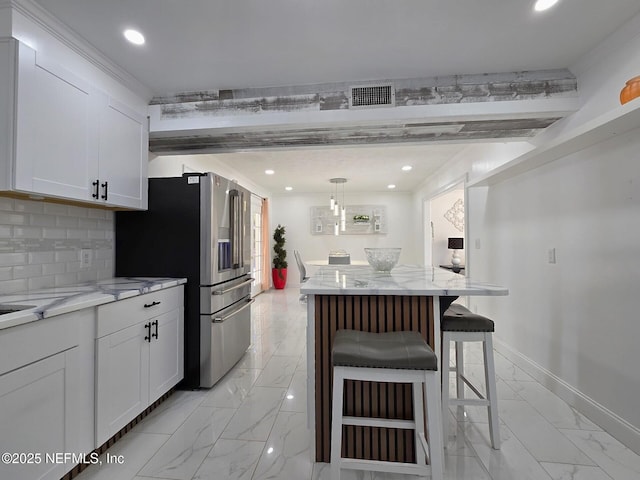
(124, 313)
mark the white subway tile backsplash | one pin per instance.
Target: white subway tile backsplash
(66, 279)
(42, 220)
(66, 222)
(87, 275)
(27, 271)
(97, 213)
(102, 255)
(28, 206)
(27, 232)
(102, 274)
(87, 223)
(40, 244)
(41, 257)
(13, 286)
(53, 268)
(6, 204)
(77, 234)
(9, 218)
(77, 212)
(38, 283)
(6, 273)
(9, 259)
(67, 256)
(56, 209)
(72, 266)
(48, 232)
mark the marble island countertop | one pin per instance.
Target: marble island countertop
(402, 280)
(50, 302)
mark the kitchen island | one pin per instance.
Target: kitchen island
(356, 297)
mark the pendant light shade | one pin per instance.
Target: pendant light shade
(338, 208)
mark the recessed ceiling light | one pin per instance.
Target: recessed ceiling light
(406, 168)
(542, 5)
(391, 186)
(269, 172)
(288, 189)
(134, 37)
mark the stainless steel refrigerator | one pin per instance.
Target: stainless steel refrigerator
(197, 226)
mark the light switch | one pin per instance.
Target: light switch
(552, 255)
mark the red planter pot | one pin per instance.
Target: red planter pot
(279, 277)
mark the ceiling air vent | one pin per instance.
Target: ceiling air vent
(367, 96)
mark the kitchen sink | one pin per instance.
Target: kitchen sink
(14, 308)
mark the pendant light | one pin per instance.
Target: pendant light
(339, 209)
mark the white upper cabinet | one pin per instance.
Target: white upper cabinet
(122, 155)
(70, 140)
(53, 122)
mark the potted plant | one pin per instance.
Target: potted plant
(279, 270)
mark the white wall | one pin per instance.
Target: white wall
(293, 211)
(578, 318)
(572, 324)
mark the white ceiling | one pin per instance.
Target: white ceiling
(207, 45)
(367, 169)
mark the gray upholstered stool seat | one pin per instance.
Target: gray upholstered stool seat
(402, 350)
(392, 357)
(458, 318)
(460, 325)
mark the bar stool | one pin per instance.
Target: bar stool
(397, 357)
(461, 325)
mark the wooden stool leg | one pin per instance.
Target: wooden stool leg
(492, 395)
(418, 416)
(446, 345)
(434, 424)
(336, 423)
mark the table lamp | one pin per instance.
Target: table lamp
(455, 244)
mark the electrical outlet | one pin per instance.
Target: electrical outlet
(552, 255)
(86, 255)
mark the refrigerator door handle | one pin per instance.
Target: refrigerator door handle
(226, 317)
(236, 234)
(227, 290)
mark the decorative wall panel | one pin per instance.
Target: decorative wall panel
(360, 220)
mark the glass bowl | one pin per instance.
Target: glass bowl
(382, 259)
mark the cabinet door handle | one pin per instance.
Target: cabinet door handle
(105, 185)
(153, 304)
(155, 335)
(148, 336)
(97, 185)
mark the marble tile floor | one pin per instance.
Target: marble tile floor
(252, 424)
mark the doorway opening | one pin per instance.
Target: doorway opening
(445, 216)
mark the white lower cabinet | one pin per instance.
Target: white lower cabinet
(141, 360)
(41, 397)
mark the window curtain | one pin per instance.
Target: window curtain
(266, 246)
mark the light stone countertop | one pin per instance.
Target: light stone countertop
(402, 280)
(50, 302)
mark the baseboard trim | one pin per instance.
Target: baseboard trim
(609, 421)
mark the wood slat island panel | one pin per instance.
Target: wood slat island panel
(370, 313)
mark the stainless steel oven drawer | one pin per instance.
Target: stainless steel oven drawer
(229, 332)
(217, 297)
